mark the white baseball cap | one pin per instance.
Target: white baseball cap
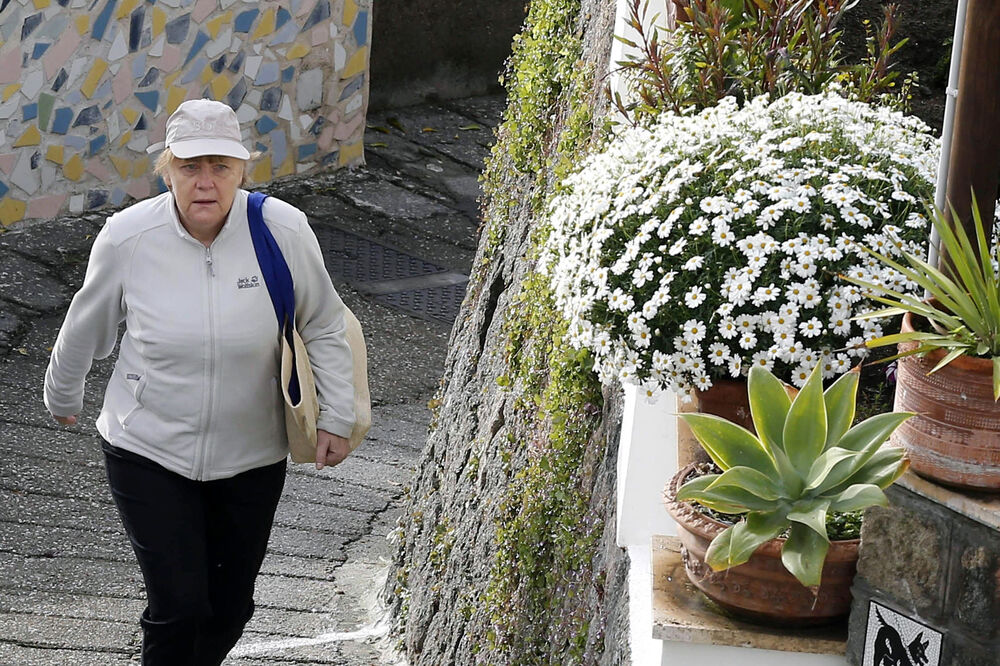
(203, 127)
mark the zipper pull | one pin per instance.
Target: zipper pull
(208, 260)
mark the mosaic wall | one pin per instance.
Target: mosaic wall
(87, 85)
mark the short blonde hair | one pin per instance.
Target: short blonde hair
(167, 156)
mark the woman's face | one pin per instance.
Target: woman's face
(204, 189)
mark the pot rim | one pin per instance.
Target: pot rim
(688, 517)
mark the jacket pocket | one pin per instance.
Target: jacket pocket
(140, 386)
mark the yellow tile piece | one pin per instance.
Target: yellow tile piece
(11, 211)
(357, 64)
(122, 166)
(73, 169)
(297, 51)
(54, 154)
(125, 9)
(169, 79)
(287, 168)
(206, 74)
(215, 25)
(83, 23)
(266, 25)
(220, 86)
(126, 137)
(262, 170)
(351, 152)
(10, 90)
(30, 137)
(175, 97)
(350, 12)
(140, 167)
(131, 115)
(159, 21)
(97, 69)
(42, 4)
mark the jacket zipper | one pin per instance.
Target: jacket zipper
(202, 457)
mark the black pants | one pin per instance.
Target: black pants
(200, 545)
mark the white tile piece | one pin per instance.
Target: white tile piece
(76, 203)
(226, 4)
(253, 98)
(139, 142)
(7, 109)
(339, 56)
(305, 120)
(79, 66)
(309, 89)
(49, 175)
(285, 110)
(353, 104)
(156, 50)
(236, 44)
(294, 133)
(33, 84)
(114, 67)
(246, 113)
(257, 48)
(304, 166)
(114, 129)
(218, 46)
(118, 48)
(24, 176)
(252, 66)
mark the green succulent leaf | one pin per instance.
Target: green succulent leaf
(833, 463)
(996, 378)
(694, 491)
(872, 431)
(735, 545)
(881, 469)
(750, 480)
(769, 403)
(857, 497)
(840, 399)
(729, 445)
(804, 553)
(811, 513)
(804, 434)
(733, 498)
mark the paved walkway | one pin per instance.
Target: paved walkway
(399, 237)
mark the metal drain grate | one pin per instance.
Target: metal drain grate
(361, 260)
(437, 303)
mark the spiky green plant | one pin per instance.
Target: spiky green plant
(807, 460)
(964, 304)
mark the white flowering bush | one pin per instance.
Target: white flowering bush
(704, 244)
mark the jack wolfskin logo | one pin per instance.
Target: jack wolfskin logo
(247, 282)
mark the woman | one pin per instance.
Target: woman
(192, 419)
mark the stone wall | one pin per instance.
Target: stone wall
(463, 582)
(87, 85)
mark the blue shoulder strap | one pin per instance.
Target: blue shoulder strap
(277, 277)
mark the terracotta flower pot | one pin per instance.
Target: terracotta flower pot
(728, 399)
(761, 590)
(955, 437)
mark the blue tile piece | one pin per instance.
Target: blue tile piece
(149, 99)
(39, 50)
(36, 159)
(265, 124)
(61, 120)
(307, 151)
(199, 42)
(284, 35)
(279, 146)
(177, 30)
(96, 199)
(103, 91)
(317, 126)
(361, 28)
(330, 158)
(139, 65)
(259, 147)
(29, 112)
(244, 20)
(89, 116)
(3, 189)
(60, 80)
(75, 142)
(151, 77)
(352, 87)
(267, 74)
(96, 144)
(237, 62)
(238, 92)
(101, 22)
(320, 12)
(117, 196)
(141, 124)
(271, 99)
(287, 73)
(218, 64)
(135, 28)
(30, 24)
(282, 18)
(74, 97)
(194, 71)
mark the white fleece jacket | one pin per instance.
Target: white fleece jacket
(195, 387)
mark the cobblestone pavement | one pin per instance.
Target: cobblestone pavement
(399, 237)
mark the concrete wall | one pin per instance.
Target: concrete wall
(87, 85)
(440, 48)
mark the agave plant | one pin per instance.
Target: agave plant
(806, 461)
(964, 305)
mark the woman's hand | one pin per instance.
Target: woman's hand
(330, 449)
(65, 420)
